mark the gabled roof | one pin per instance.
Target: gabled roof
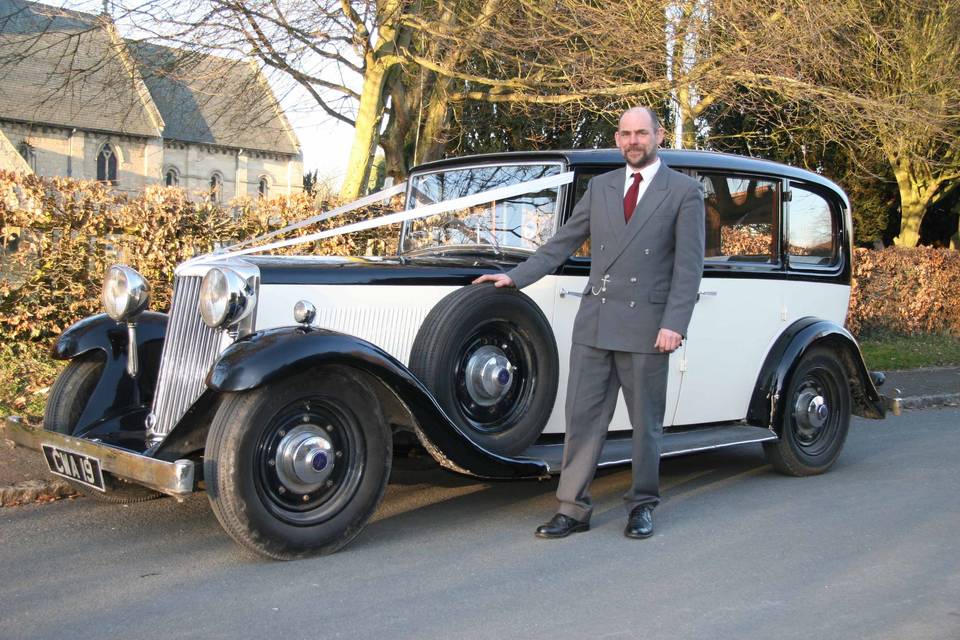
(70, 69)
(213, 100)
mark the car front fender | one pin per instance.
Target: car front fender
(116, 393)
(271, 355)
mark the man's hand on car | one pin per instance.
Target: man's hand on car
(498, 279)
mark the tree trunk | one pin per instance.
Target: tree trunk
(911, 214)
(366, 131)
(915, 197)
(433, 140)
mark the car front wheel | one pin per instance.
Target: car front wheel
(297, 467)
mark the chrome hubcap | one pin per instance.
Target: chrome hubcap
(305, 458)
(811, 413)
(489, 375)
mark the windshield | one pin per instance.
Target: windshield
(521, 222)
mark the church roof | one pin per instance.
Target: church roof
(213, 100)
(62, 68)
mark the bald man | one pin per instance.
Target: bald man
(646, 225)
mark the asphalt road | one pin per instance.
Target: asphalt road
(869, 550)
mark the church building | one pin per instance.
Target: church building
(77, 100)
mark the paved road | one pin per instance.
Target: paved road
(869, 550)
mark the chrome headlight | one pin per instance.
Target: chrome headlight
(225, 298)
(125, 293)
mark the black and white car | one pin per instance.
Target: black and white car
(279, 384)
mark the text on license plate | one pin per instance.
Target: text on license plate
(75, 466)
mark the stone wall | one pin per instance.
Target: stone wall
(145, 161)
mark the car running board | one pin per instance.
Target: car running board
(617, 449)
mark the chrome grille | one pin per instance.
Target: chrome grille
(188, 352)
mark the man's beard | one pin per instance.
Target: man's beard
(646, 157)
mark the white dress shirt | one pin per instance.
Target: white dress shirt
(647, 172)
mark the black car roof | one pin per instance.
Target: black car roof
(676, 158)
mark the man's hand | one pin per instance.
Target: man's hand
(498, 279)
(667, 341)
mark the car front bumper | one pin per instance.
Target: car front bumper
(176, 479)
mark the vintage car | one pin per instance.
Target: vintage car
(281, 384)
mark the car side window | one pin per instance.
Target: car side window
(812, 229)
(742, 218)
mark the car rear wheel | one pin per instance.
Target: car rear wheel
(296, 468)
(68, 397)
(816, 416)
(489, 357)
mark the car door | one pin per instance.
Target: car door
(740, 310)
(568, 287)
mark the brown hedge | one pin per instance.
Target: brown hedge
(905, 291)
(60, 235)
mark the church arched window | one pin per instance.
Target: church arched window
(216, 187)
(171, 177)
(263, 188)
(107, 165)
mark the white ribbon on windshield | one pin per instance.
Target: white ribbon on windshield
(384, 194)
(500, 193)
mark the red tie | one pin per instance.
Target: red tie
(630, 200)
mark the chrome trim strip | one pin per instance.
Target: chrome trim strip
(176, 479)
(670, 454)
(718, 446)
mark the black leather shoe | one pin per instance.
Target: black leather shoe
(640, 522)
(560, 526)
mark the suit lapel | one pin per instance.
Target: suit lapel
(652, 198)
(613, 216)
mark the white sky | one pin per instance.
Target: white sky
(325, 141)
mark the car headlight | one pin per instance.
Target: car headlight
(125, 293)
(225, 298)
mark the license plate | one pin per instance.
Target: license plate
(75, 466)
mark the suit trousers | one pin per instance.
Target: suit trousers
(596, 377)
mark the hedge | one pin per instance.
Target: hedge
(905, 291)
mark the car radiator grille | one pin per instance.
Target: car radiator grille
(189, 350)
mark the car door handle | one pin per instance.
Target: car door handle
(564, 293)
(700, 294)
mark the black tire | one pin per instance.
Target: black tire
(68, 396)
(816, 416)
(502, 412)
(258, 494)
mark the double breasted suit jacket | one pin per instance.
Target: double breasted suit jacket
(644, 274)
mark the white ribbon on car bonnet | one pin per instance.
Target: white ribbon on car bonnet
(464, 202)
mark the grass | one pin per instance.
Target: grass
(890, 352)
(26, 372)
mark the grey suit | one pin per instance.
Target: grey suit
(644, 276)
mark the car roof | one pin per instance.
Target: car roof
(675, 158)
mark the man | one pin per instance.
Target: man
(646, 225)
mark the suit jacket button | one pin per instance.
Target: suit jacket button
(601, 247)
(646, 252)
(632, 304)
(633, 279)
(603, 301)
